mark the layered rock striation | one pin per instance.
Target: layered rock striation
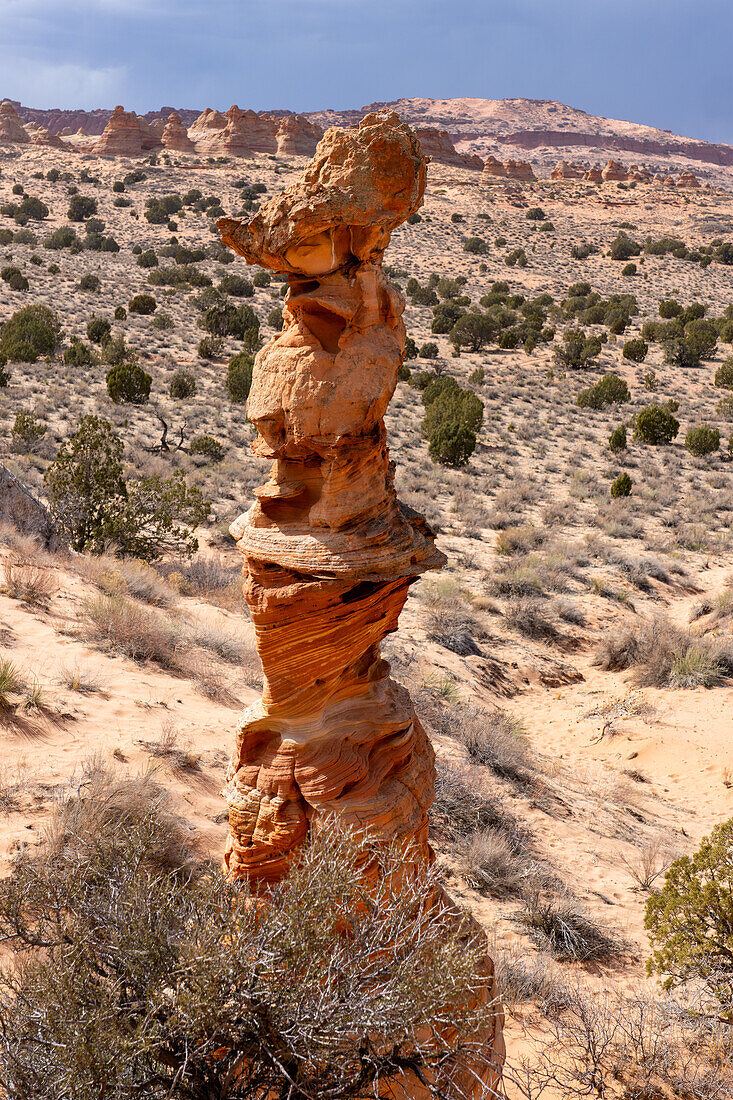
(126, 135)
(297, 136)
(438, 145)
(329, 551)
(175, 136)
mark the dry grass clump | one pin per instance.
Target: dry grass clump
(560, 926)
(137, 631)
(27, 581)
(127, 577)
(449, 618)
(528, 617)
(11, 683)
(167, 747)
(664, 655)
(79, 678)
(650, 860)
(497, 741)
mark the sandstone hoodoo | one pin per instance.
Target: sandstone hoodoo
(296, 136)
(238, 133)
(12, 131)
(565, 171)
(688, 179)
(614, 170)
(437, 145)
(126, 135)
(175, 136)
(510, 169)
(329, 551)
(207, 128)
(493, 167)
(594, 174)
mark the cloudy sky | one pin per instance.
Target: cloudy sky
(662, 62)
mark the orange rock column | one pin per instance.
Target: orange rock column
(329, 551)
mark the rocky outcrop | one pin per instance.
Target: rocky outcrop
(329, 551)
(20, 508)
(236, 134)
(565, 171)
(519, 170)
(614, 171)
(437, 145)
(594, 174)
(510, 169)
(296, 136)
(126, 135)
(12, 131)
(707, 152)
(175, 136)
(40, 136)
(688, 179)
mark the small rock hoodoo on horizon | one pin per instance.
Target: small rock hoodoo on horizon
(329, 551)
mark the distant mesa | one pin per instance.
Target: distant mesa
(438, 145)
(12, 131)
(126, 135)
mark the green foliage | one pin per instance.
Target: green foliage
(99, 330)
(261, 278)
(656, 425)
(617, 439)
(211, 347)
(624, 248)
(724, 253)
(147, 259)
(535, 214)
(516, 258)
(90, 282)
(702, 440)
(27, 429)
(239, 377)
(473, 331)
(29, 333)
(452, 419)
(64, 237)
(445, 316)
(208, 447)
(650, 381)
(183, 385)
(129, 384)
(159, 210)
(275, 319)
(577, 351)
(120, 313)
(690, 921)
(81, 207)
(477, 246)
(609, 390)
(410, 348)
(78, 354)
(162, 322)
(142, 303)
(94, 506)
(629, 270)
(679, 352)
(622, 486)
(702, 337)
(429, 350)
(636, 350)
(236, 285)
(724, 374)
(669, 308)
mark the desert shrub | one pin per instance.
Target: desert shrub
(147, 259)
(516, 258)
(724, 253)
(118, 899)
(663, 655)
(142, 303)
(724, 375)
(64, 237)
(609, 390)
(679, 352)
(207, 447)
(669, 308)
(624, 248)
(428, 350)
(29, 333)
(90, 282)
(690, 921)
(8, 272)
(18, 281)
(424, 296)
(261, 278)
(99, 330)
(473, 331)
(656, 424)
(535, 214)
(239, 377)
(93, 505)
(577, 350)
(162, 322)
(275, 319)
(78, 354)
(27, 430)
(445, 316)
(477, 246)
(236, 285)
(702, 440)
(622, 486)
(636, 350)
(128, 383)
(451, 422)
(159, 210)
(702, 337)
(211, 347)
(120, 313)
(410, 348)
(617, 438)
(183, 385)
(81, 207)
(628, 270)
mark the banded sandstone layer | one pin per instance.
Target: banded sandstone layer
(329, 552)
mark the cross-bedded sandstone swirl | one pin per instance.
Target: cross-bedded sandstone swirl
(329, 551)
